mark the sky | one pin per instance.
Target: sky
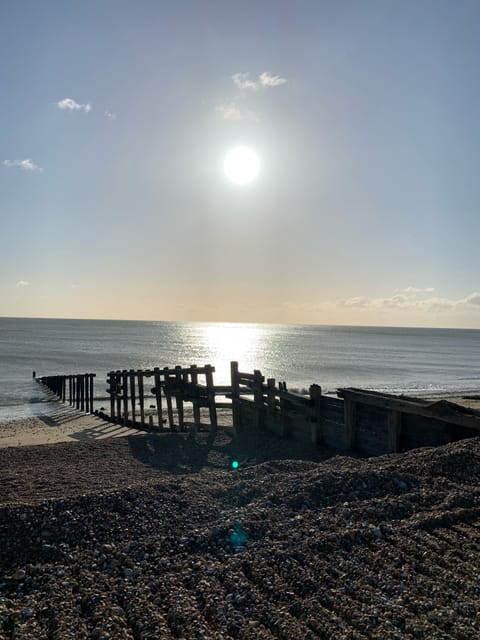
(116, 117)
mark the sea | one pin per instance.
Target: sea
(393, 360)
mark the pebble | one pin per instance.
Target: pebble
(282, 549)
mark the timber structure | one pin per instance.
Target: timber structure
(358, 420)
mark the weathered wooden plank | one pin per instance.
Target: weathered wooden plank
(196, 403)
(394, 430)
(316, 397)
(125, 395)
(179, 397)
(350, 423)
(421, 408)
(168, 398)
(132, 395)
(235, 396)
(118, 378)
(158, 397)
(211, 395)
(141, 397)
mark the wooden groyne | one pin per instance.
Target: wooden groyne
(357, 420)
(193, 384)
(75, 389)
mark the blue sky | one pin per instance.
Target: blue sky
(115, 118)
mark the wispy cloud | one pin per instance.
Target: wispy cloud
(27, 164)
(110, 115)
(70, 105)
(415, 290)
(243, 82)
(22, 283)
(266, 80)
(229, 112)
(234, 113)
(413, 298)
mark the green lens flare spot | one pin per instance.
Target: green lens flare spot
(235, 464)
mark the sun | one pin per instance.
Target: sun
(241, 165)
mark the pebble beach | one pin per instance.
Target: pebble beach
(157, 536)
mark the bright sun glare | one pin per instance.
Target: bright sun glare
(241, 165)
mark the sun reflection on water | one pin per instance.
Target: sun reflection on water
(227, 342)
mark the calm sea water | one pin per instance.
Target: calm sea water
(396, 360)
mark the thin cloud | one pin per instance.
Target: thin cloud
(27, 164)
(235, 114)
(267, 80)
(243, 82)
(415, 290)
(70, 105)
(229, 112)
(413, 300)
(110, 115)
(472, 299)
(22, 283)
(357, 301)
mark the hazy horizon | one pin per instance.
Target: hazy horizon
(245, 322)
(355, 204)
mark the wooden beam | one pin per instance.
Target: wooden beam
(158, 397)
(394, 430)
(350, 423)
(235, 395)
(316, 415)
(211, 396)
(141, 397)
(420, 408)
(132, 395)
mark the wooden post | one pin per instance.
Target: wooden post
(87, 390)
(168, 397)
(158, 396)
(64, 384)
(316, 415)
(92, 376)
(70, 390)
(179, 397)
(236, 409)
(77, 391)
(349, 412)
(211, 396)
(132, 395)
(258, 398)
(270, 415)
(82, 392)
(141, 397)
(150, 422)
(112, 386)
(118, 395)
(125, 395)
(394, 430)
(196, 403)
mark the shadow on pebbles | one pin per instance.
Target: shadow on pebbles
(155, 537)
